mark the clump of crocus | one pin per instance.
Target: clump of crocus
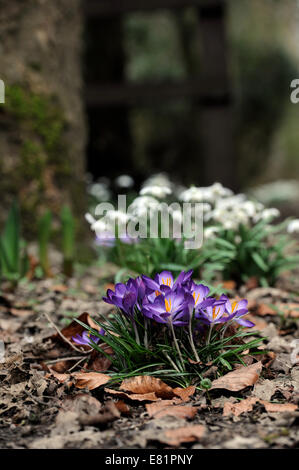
(171, 326)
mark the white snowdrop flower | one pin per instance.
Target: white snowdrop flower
(250, 208)
(124, 181)
(117, 216)
(159, 179)
(99, 191)
(100, 226)
(293, 226)
(231, 202)
(206, 207)
(220, 191)
(193, 194)
(141, 205)
(267, 214)
(211, 232)
(230, 224)
(156, 191)
(145, 201)
(177, 216)
(90, 219)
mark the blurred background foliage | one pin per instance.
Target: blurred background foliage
(164, 45)
(55, 137)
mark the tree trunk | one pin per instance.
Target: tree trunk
(109, 148)
(216, 116)
(42, 137)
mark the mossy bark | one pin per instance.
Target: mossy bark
(42, 123)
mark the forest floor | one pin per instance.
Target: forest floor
(40, 407)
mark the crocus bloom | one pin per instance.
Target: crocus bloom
(125, 238)
(213, 314)
(236, 310)
(127, 296)
(164, 281)
(124, 297)
(173, 307)
(86, 338)
(199, 293)
(160, 284)
(105, 239)
(183, 278)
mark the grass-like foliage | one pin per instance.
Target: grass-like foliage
(14, 261)
(171, 329)
(262, 251)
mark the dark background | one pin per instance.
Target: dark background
(199, 89)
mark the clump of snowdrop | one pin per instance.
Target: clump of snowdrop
(237, 238)
(205, 194)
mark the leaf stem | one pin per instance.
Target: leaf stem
(176, 344)
(191, 339)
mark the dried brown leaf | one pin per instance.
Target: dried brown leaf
(184, 393)
(59, 288)
(133, 396)
(160, 409)
(20, 312)
(278, 407)
(73, 328)
(264, 309)
(238, 408)
(240, 378)
(146, 384)
(247, 405)
(90, 380)
(60, 377)
(98, 362)
(122, 407)
(176, 437)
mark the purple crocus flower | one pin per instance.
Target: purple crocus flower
(86, 338)
(124, 297)
(236, 310)
(127, 240)
(213, 314)
(199, 293)
(162, 280)
(105, 239)
(173, 307)
(184, 278)
(127, 296)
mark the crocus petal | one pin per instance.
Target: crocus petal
(243, 322)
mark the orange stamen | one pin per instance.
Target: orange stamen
(195, 299)
(168, 305)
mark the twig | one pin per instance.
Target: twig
(64, 338)
(71, 358)
(77, 363)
